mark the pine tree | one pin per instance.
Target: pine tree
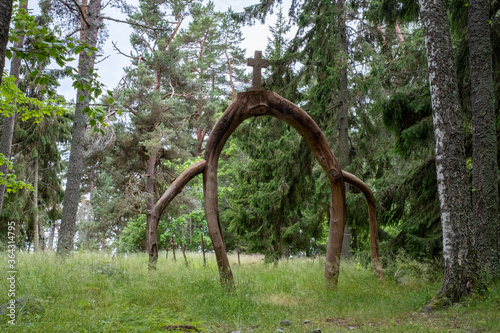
(149, 95)
(90, 25)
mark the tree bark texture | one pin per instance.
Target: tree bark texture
(460, 269)
(173, 190)
(74, 176)
(8, 122)
(151, 234)
(5, 17)
(36, 233)
(342, 113)
(51, 235)
(261, 103)
(484, 141)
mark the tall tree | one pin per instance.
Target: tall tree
(8, 122)
(5, 17)
(460, 260)
(90, 16)
(343, 107)
(154, 83)
(484, 141)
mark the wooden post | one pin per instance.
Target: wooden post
(166, 252)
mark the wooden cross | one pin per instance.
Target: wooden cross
(257, 63)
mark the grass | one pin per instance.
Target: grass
(91, 292)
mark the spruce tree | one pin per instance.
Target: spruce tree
(485, 198)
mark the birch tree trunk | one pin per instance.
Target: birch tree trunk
(484, 142)
(460, 268)
(71, 199)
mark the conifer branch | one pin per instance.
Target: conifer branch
(136, 24)
(71, 9)
(132, 111)
(84, 18)
(120, 52)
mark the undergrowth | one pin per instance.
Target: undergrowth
(93, 292)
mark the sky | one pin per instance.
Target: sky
(110, 69)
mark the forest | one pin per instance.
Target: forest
(406, 93)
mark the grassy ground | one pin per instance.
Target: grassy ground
(97, 293)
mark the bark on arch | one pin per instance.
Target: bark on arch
(265, 103)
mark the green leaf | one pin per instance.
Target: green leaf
(81, 98)
(111, 100)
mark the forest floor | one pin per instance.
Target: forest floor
(93, 292)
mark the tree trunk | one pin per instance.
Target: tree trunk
(72, 194)
(183, 249)
(460, 269)
(8, 122)
(484, 142)
(50, 245)
(173, 245)
(36, 233)
(151, 221)
(342, 113)
(103, 241)
(399, 34)
(203, 251)
(5, 17)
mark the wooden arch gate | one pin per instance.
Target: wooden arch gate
(256, 103)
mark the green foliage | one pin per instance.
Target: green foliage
(13, 100)
(9, 180)
(37, 148)
(269, 190)
(133, 236)
(409, 117)
(413, 207)
(45, 45)
(392, 11)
